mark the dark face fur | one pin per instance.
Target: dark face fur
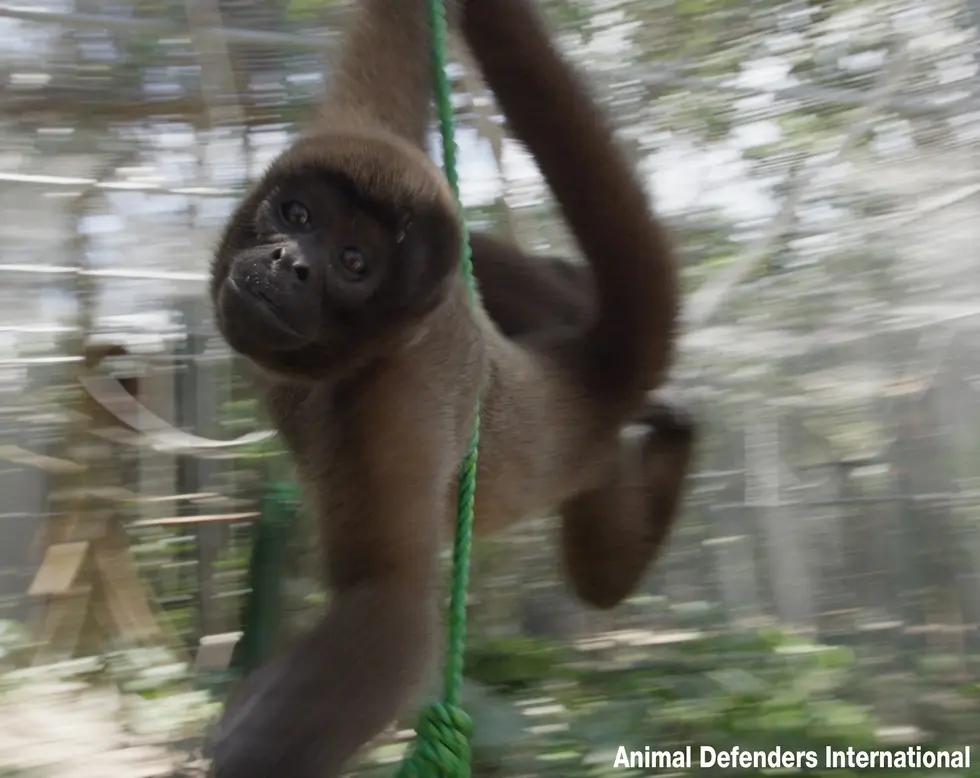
(310, 272)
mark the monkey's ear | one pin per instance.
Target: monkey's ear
(426, 259)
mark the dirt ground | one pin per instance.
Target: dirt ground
(69, 728)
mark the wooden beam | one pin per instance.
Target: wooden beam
(60, 567)
(214, 518)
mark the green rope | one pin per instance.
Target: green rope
(442, 748)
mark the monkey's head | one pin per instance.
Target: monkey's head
(349, 239)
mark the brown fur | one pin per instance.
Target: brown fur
(373, 383)
(525, 294)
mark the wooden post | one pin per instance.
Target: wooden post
(87, 587)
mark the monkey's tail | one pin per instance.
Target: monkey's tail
(630, 345)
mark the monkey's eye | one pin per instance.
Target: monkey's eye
(295, 214)
(352, 260)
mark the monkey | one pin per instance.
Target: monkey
(337, 278)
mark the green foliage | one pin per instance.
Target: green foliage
(754, 690)
(301, 10)
(514, 664)
(14, 641)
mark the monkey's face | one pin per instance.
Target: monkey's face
(310, 272)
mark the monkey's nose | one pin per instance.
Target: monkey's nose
(289, 260)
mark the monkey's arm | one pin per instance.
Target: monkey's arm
(382, 56)
(305, 714)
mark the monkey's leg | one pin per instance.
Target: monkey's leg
(611, 535)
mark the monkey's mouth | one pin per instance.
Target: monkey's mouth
(256, 316)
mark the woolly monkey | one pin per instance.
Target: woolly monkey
(338, 277)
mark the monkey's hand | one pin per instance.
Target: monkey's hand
(305, 713)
